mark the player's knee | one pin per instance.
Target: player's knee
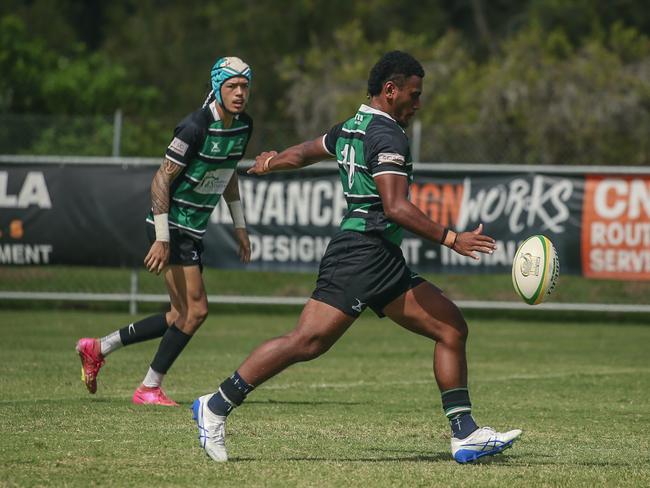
(456, 333)
(197, 313)
(308, 347)
(201, 313)
(463, 330)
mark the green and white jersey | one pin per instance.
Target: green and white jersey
(369, 144)
(209, 154)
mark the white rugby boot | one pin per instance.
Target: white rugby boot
(484, 441)
(212, 429)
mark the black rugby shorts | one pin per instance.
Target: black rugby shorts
(362, 270)
(183, 249)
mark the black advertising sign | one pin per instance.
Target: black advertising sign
(293, 215)
(73, 214)
(94, 215)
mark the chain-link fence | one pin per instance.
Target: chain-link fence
(119, 135)
(504, 145)
(58, 135)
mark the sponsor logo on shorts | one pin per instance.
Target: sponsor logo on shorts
(391, 158)
(359, 306)
(178, 146)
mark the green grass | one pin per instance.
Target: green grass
(365, 414)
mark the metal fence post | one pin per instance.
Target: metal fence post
(416, 141)
(117, 132)
(133, 300)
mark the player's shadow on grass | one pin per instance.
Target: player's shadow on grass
(419, 458)
(85, 400)
(398, 455)
(183, 402)
(301, 402)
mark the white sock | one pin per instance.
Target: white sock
(153, 379)
(110, 343)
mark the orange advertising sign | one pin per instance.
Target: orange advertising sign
(616, 227)
(440, 202)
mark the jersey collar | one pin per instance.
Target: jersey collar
(215, 113)
(213, 110)
(368, 109)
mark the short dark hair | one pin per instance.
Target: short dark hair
(394, 66)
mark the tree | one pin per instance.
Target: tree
(507, 80)
(38, 81)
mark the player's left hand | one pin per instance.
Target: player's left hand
(469, 243)
(244, 245)
(261, 166)
(157, 257)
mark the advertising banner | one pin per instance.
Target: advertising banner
(616, 227)
(94, 215)
(293, 215)
(85, 215)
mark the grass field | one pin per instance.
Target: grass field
(366, 414)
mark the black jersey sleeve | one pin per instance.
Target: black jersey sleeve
(386, 149)
(329, 139)
(187, 141)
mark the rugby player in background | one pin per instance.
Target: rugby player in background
(199, 167)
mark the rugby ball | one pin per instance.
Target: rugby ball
(535, 269)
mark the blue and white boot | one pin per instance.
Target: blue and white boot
(212, 429)
(484, 441)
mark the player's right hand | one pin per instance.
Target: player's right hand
(261, 166)
(157, 257)
(469, 243)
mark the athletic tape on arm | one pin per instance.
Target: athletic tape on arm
(237, 214)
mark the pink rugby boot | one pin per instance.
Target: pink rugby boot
(91, 361)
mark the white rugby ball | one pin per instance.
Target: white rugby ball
(535, 269)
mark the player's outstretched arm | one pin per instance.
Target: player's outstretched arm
(294, 157)
(393, 190)
(158, 255)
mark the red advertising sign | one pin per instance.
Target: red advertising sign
(616, 227)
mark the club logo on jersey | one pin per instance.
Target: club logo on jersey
(214, 182)
(391, 158)
(178, 146)
(215, 147)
